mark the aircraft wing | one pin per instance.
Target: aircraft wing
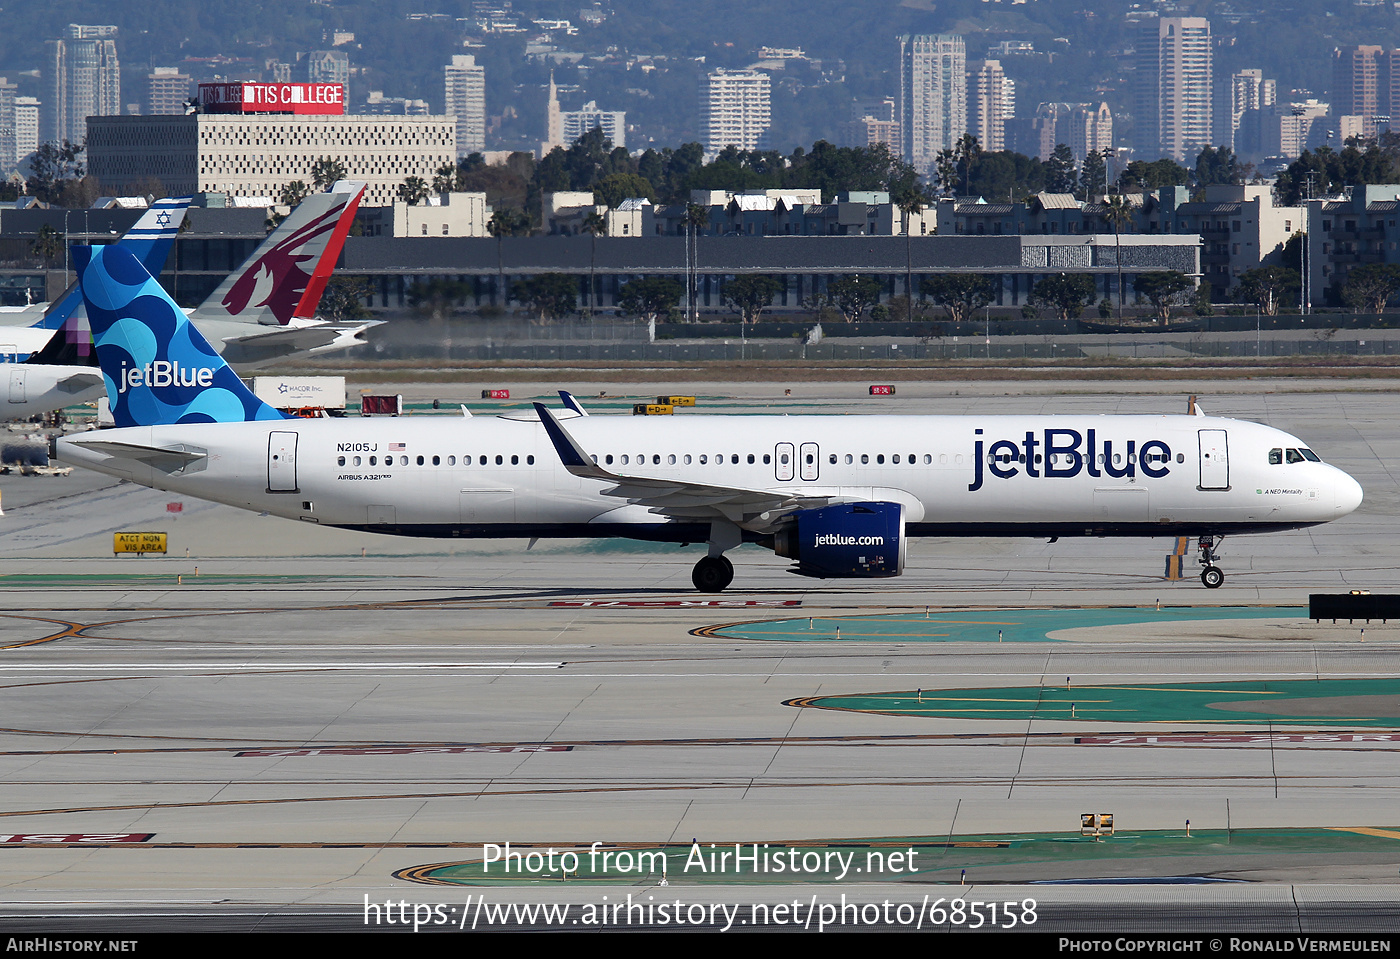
(79, 381)
(754, 509)
(172, 459)
(267, 345)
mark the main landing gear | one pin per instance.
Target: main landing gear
(1211, 575)
(712, 574)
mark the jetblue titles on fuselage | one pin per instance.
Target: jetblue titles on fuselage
(1059, 452)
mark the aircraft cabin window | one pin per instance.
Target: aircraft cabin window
(372, 460)
(880, 458)
(624, 459)
(831, 459)
(1294, 456)
(452, 461)
(864, 458)
(1275, 456)
(784, 459)
(656, 459)
(340, 461)
(750, 459)
(848, 459)
(671, 460)
(687, 459)
(420, 461)
(1181, 457)
(357, 461)
(895, 459)
(500, 459)
(608, 459)
(767, 459)
(734, 459)
(437, 461)
(482, 461)
(704, 459)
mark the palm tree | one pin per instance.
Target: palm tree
(593, 224)
(911, 202)
(695, 217)
(1118, 210)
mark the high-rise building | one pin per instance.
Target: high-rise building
(465, 84)
(169, 91)
(1247, 90)
(82, 79)
(613, 123)
(874, 121)
(932, 95)
(553, 120)
(329, 66)
(8, 145)
(991, 101)
(26, 126)
(1174, 103)
(738, 110)
(1361, 85)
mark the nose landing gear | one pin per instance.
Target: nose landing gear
(1211, 575)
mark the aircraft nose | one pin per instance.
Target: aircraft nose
(1347, 493)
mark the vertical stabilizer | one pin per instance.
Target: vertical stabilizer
(150, 238)
(157, 367)
(291, 266)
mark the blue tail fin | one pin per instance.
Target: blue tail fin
(159, 369)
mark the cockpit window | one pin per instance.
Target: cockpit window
(1275, 457)
(1294, 456)
(1310, 456)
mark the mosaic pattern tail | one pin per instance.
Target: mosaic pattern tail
(158, 369)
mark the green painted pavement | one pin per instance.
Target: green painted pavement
(886, 859)
(1335, 702)
(984, 626)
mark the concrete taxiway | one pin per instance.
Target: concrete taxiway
(289, 719)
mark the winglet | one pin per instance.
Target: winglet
(571, 403)
(572, 455)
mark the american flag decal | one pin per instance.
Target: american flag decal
(397, 446)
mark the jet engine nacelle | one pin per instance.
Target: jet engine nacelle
(845, 540)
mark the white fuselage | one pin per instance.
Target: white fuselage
(31, 389)
(955, 475)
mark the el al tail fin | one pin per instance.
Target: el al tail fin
(158, 369)
(150, 238)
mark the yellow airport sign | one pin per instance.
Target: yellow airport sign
(652, 409)
(675, 400)
(139, 543)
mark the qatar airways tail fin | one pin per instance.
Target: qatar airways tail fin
(157, 368)
(285, 277)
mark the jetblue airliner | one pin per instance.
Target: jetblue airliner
(839, 496)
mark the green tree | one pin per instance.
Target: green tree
(344, 299)
(48, 244)
(1060, 175)
(612, 189)
(550, 295)
(1370, 286)
(1216, 166)
(1066, 294)
(1268, 287)
(852, 295)
(912, 200)
(53, 165)
(1118, 211)
(437, 297)
(413, 190)
(749, 296)
(326, 171)
(1142, 175)
(293, 193)
(445, 179)
(960, 294)
(1164, 289)
(649, 297)
(508, 223)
